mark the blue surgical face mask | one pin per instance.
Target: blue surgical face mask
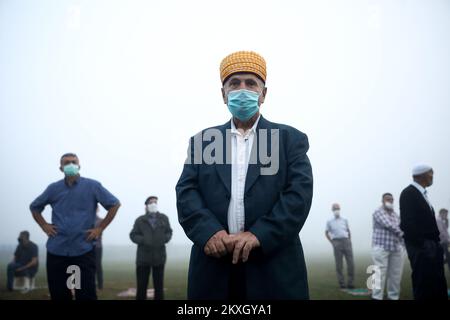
(243, 104)
(71, 169)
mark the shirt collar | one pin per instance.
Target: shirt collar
(234, 130)
(383, 209)
(419, 187)
(75, 181)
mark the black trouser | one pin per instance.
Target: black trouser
(57, 276)
(98, 267)
(237, 284)
(427, 266)
(142, 276)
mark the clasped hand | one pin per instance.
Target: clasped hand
(239, 245)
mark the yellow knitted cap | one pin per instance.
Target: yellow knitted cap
(243, 61)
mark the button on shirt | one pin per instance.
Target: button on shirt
(241, 146)
(73, 213)
(337, 228)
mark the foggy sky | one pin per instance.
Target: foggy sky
(124, 84)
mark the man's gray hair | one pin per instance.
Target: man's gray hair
(69, 154)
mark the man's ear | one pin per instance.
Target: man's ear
(262, 97)
(225, 100)
(61, 169)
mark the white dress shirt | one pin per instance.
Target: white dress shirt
(241, 147)
(423, 191)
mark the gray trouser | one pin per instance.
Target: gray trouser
(343, 248)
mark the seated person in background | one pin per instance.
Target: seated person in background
(25, 263)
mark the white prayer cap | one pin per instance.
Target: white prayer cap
(420, 169)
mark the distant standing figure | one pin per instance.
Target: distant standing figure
(151, 232)
(25, 262)
(338, 233)
(421, 236)
(98, 254)
(387, 249)
(442, 223)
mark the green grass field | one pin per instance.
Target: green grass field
(119, 275)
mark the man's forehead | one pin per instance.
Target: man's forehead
(69, 158)
(244, 76)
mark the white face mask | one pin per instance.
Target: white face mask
(337, 212)
(389, 205)
(152, 207)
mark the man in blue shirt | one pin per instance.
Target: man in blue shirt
(72, 231)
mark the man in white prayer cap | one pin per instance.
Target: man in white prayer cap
(421, 236)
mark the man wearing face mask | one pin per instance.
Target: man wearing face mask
(25, 262)
(151, 232)
(338, 233)
(387, 249)
(244, 222)
(72, 231)
(442, 223)
(421, 236)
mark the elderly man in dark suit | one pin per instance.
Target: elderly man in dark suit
(421, 236)
(242, 209)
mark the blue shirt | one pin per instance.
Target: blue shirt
(73, 213)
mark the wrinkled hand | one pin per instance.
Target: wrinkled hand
(49, 229)
(94, 233)
(242, 243)
(215, 246)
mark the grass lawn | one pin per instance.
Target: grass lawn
(119, 275)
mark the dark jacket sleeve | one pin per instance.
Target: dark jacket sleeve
(409, 217)
(198, 222)
(168, 231)
(289, 214)
(136, 235)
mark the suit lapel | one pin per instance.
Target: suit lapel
(224, 170)
(254, 169)
(425, 203)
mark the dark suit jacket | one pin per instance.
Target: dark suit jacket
(417, 219)
(276, 207)
(151, 240)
